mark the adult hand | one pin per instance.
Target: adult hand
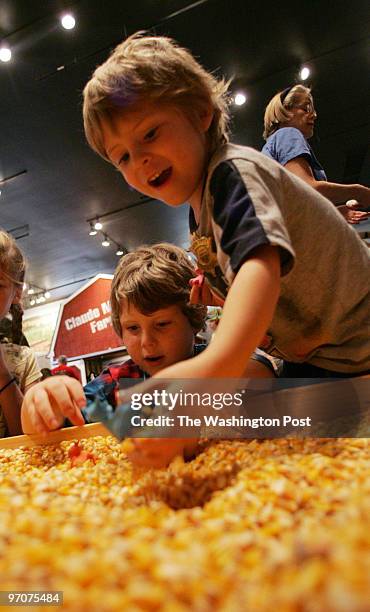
(47, 404)
(352, 212)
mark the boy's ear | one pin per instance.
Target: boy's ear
(17, 295)
(205, 116)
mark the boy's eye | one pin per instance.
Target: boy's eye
(132, 328)
(163, 323)
(124, 159)
(150, 135)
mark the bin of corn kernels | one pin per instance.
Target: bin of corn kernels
(246, 525)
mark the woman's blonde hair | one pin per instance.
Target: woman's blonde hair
(155, 68)
(277, 110)
(155, 277)
(13, 267)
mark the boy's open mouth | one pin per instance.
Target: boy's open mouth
(160, 178)
(154, 359)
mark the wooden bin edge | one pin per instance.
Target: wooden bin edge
(67, 433)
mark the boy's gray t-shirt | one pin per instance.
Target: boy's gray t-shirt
(323, 313)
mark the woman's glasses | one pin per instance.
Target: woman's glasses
(308, 107)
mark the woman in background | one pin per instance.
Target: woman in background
(289, 123)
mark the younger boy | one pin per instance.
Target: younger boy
(151, 313)
(296, 276)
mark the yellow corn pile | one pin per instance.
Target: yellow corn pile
(245, 526)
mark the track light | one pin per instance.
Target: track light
(5, 54)
(119, 252)
(240, 99)
(68, 21)
(304, 73)
(98, 225)
(105, 242)
(92, 231)
(31, 291)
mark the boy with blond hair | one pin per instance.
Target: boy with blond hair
(161, 119)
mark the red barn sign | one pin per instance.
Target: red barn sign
(84, 325)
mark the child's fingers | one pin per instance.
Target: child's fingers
(59, 384)
(155, 452)
(67, 398)
(37, 423)
(201, 294)
(57, 399)
(195, 295)
(42, 411)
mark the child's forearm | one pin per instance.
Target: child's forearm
(247, 314)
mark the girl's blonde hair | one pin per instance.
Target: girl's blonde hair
(13, 266)
(277, 110)
(155, 68)
(155, 277)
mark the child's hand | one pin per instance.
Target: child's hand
(47, 404)
(201, 293)
(157, 452)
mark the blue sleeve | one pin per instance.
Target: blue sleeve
(102, 387)
(235, 213)
(287, 144)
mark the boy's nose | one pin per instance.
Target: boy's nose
(147, 339)
(142, 159)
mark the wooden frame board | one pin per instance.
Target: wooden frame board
(67, 433)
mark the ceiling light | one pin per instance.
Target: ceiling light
(240, 99)
(68, 22)
(5, 54)
(92, 231)
(31, 291)
(32, 302)
(47, 294)
(304, 73)
(119, 252)
(98, 225)
(105, 242)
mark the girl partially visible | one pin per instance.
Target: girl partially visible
(18, 366)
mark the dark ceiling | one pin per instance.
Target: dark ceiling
(59, 183)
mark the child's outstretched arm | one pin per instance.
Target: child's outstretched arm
(48, 403)
(246, 316)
